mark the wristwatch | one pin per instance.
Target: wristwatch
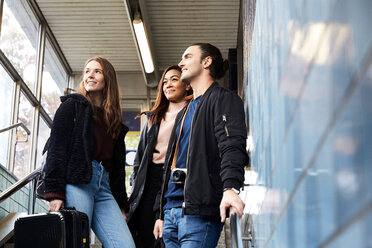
(234, 189)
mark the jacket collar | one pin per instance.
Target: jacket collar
(214, 84)
(78, 97)
(209, 90)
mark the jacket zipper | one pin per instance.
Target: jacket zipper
(187, 163)
(224, 119)
(166, 169)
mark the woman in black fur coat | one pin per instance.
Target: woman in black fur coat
(85, 165)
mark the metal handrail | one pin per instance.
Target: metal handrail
(28, 132)
(236, 232)
(15, 126)
(32, 177)
(241, 231)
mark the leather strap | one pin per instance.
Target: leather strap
(178, 140)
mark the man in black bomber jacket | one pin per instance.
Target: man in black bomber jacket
(212, 149)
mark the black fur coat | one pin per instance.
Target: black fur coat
(69, 159)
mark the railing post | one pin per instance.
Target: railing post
(32, 197)
(236, 232)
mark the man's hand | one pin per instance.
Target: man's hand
(158, 228)
(230, 199)
(55, 205)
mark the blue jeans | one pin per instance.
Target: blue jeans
(190, 231)
(96, 200)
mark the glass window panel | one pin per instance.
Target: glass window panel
(131, 140)
(44, 132)
(134, 125)
(19, 38)
(6, 93)
(54, 80)
(23, 144)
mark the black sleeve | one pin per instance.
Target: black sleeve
(231, 135)
(139, 154)
(59, 147)
(156, 207)
(117, 175)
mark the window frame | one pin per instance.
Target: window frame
(44, 32)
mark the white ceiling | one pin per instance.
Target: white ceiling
(177, 24)
(84, 28)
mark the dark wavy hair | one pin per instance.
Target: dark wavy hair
(219, 65)
(161, 102)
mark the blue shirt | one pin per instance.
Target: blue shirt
(174, 194)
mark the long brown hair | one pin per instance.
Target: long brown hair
(161, 102)
(111, 97)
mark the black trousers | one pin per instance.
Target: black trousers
(142, 223)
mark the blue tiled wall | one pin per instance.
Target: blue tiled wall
(308, 90)
(18, 202)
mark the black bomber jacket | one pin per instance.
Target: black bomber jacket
(216, 155)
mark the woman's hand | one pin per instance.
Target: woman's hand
(158, 228)
(124, 215)
(55, 205)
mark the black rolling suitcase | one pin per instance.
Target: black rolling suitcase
(66, 228)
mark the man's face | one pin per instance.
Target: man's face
(191, 64)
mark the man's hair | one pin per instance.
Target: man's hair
(219, 65)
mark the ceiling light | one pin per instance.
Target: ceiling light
(143, 44)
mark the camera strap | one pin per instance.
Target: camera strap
(179, 137)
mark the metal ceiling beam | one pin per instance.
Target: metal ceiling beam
(151, 79)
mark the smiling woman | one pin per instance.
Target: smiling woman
(85, 165)
(93, 77)
(151, 152)
(174, 89)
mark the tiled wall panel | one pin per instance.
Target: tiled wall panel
(18, 202)
(308, 88)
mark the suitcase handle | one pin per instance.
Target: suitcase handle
(68, 208)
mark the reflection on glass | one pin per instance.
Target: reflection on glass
(43, 136)
(6, 91)
(54, 80)
(23, 141)
(18, 40)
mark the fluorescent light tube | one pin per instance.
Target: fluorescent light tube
(143, 44)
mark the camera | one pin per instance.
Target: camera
(178, 175)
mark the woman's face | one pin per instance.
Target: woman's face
(174, 89)
(93, 77)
